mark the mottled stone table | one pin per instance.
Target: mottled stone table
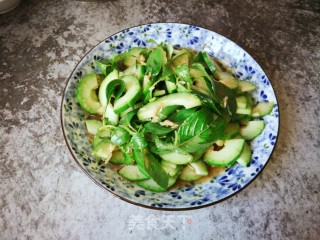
(44, 194)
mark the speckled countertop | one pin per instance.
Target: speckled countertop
(45, 195)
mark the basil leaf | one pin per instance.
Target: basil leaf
(127, 154)
(155, 61)
(207, 101)
(180, 116)
(222, 92)
(147, 163)
(105, 66)
(115, 87)
(120, 136)
(204, 59)
(138, 141)
(200, 130)
(139, 157)
(157, 129)
(167, 73)
(155, 170)
(183, 73)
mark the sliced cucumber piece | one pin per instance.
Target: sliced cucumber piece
(241, 102)
(103, 133)
(132, 173)
(132, 55)
(93, 126)
(151, 185)
(231, 130)
(245, 157)
(252, 129)
(104, 150)
(110, 115)
(188, 174)
(200, 168)
(177, 157)
(181, 59)
(103, 88)
(158, 93)
(220, 143)
(151, 110)
(245, 86)
(227, 155)
(133, 92)
(171, 171)
(244, 111)
(227, 79)
(245, 120)
(168, 164)
(201, 85)
(86, 94)
(136, 70)
(222, 75)
(231, 83)
(198, 70)
(262, 109)
(249, 99)
(117, 158)
(171, 86)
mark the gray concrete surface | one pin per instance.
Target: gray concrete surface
(44, 194)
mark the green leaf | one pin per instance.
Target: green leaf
(127, 154)
(180, 116)
(200, 130)
(155, 170)
(204, 59)
(138, 141)
(152, 41)
(168, 110)
(129, 120)
(156, 128)
(167, 73)
(139, 157)
(223, 92)
(150, 166)
(105, 66)
(183, 73)
(116, 88)
(201, 72)
(155, 61)
(120, 136)
(207, 101)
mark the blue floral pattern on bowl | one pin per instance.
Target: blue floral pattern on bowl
(220, 187)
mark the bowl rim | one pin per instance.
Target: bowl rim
(140, 204)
